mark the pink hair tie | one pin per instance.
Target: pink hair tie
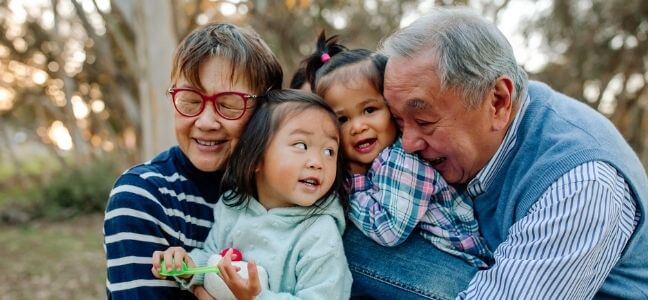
(325, 57)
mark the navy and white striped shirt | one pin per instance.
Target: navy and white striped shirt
(567, 244)
(162, 203)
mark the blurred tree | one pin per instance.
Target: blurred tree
(88, 77)
(69, 85)
(155, 39)
(598, 52)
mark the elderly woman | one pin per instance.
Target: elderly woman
(218, 72)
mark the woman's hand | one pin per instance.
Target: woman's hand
(173, 258)
(241, 288)
(201, 293)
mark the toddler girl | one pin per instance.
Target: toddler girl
(391, 192)
(283, 210)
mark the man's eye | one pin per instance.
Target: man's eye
(423, 123)
(301, 145)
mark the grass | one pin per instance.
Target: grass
(61, 260)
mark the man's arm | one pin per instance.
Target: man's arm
(387, 204)
(567, 243)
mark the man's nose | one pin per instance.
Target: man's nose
(412, 141)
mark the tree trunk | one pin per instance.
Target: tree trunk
(152, 22)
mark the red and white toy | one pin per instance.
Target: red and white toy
(215, 285)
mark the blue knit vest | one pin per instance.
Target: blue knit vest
(556, 134)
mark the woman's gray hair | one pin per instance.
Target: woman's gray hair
(469, 51)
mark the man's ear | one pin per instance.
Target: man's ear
(501, 103)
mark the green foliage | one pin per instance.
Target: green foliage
(77, 190)
(60, 193)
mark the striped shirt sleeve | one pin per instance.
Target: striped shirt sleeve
(137, 224)
(388, 203)
(567, 243)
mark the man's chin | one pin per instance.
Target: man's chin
(450, 177)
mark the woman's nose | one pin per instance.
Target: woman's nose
(208, 119)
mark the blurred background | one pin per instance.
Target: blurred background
(82, 98)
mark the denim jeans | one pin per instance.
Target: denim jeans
(413, 270)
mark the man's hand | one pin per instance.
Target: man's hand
(241, 288)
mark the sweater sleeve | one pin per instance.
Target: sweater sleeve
(200, 256)
(322, 270)
(133, 229)
(388, 203)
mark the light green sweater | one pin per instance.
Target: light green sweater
(302, 254)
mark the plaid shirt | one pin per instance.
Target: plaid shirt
(401, 191)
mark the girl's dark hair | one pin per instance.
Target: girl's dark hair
(279, 105)
(370, 65)
(299, 78)
(314, 62)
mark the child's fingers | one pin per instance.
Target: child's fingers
(168, 259)
(254, 284)
(157, 255)
(201, 293)
(224, 265)
(156, 273)
(178, 257)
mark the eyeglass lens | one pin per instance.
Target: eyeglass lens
(190, 103)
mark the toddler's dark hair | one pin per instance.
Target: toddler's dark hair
(367, 64)
(299, 78)
(240, 175)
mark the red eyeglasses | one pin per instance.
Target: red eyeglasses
(229, 105)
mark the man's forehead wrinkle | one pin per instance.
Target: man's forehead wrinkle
(416, 104)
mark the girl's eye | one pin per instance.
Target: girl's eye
(329, 152)
(342, 119)
(370, 109)
(301, 145)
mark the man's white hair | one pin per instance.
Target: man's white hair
(468, 51)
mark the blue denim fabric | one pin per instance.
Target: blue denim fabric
(413, 270)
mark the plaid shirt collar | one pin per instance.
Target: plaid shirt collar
(484, 177)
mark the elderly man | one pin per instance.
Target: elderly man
(559, 195)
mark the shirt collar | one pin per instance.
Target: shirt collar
(484, 177)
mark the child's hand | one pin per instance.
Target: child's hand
(173, 258)
(201, 293)
(241, 288)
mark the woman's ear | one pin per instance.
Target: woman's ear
(501, 103)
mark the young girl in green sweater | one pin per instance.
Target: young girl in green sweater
(283, 210)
